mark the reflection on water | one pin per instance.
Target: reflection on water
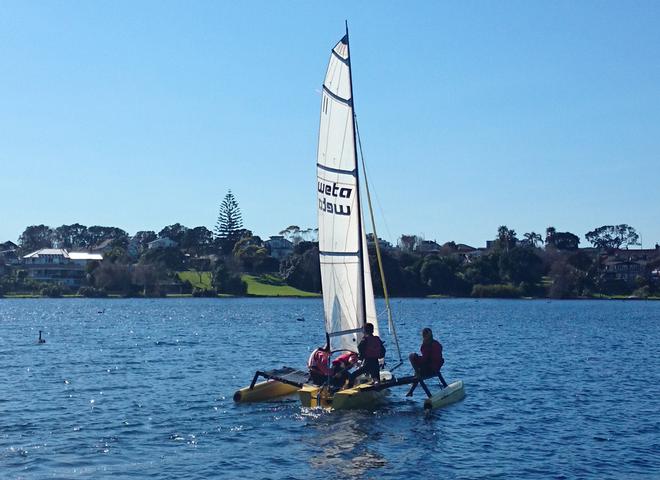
(345, 442)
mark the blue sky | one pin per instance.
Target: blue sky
(472, 114)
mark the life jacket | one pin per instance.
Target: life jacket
(432, 355)
(349, 358)
(372, 347)
(318, 360)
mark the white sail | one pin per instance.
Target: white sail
(347, 291)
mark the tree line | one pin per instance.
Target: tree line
(534, 265)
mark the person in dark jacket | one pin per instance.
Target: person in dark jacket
(429, 363)
(370, 350)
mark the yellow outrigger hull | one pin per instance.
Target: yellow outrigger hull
(263, 391)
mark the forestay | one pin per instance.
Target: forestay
(347, 289)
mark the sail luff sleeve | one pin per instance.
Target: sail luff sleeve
(340, 237)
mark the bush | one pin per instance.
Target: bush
(496, 291)
(91, 292)
(53, 291)
(234, 286)
(642, 292)
(203, 292)
(225, 281)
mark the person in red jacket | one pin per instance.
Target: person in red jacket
(340, 369)
(431, 360)
(319, 365)
(370, 350)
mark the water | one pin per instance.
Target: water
(143, 388)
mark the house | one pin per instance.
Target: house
(162, 242)
(9, 257)
(279, 247)
(428, 246)
(384, 245)
(8, 245)
(626, 265)
(58, 265)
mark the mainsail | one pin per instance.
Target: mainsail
(348, 298)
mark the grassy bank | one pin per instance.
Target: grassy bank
(266, 285)
(201, 280)
(272, 286)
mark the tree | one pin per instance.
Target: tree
(251, 253)
(226, 281)
(169, 258)
(520, 265)
(71, 236)
(113, 277)
(563, 280)
(229, 221)
(506, 238)
(566, 241)
(561, 240)
(400, 282)
(533, 239)
(483, 270)
(293, 234)
(35, 237)
(143, 237)
(439, 274)
(197, 240)
(550, 236)
(148, 277)
(97, 234)
(303, 270)
(175, 232)
(613, 237)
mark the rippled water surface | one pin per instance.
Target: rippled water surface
(143, 388)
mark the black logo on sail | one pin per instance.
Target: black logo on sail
(335, 193)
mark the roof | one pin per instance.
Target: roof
(48, 251)
(85, 256)
(64, 253)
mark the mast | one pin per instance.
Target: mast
(363, 305)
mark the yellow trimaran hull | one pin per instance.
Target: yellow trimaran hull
(359, 397)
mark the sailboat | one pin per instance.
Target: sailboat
(348, 298)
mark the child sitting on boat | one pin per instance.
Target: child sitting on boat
(319, 365)
(431, 360)
(340, 367)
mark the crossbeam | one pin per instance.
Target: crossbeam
(288, 375)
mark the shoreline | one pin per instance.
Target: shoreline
(315, 296)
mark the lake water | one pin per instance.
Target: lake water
(143, 388)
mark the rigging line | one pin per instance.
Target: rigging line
(378, 256)
(378, 202)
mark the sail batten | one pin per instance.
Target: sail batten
(345, 275)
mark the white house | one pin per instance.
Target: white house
(58, 265)
(279, 246)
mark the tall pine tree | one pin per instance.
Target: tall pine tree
(230, 222)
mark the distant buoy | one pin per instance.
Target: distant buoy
(41, 340)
